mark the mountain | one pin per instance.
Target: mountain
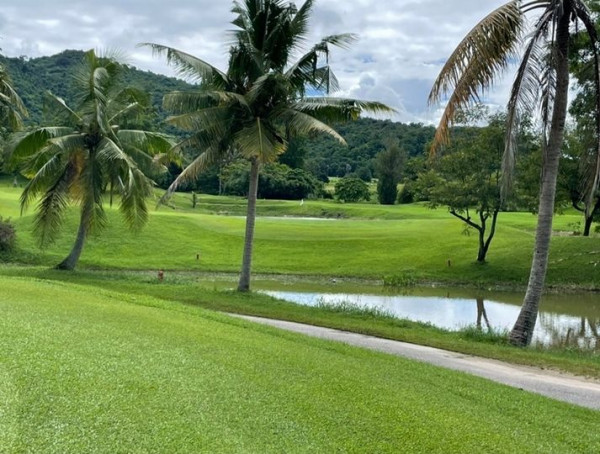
(321, 155)
(33, 77)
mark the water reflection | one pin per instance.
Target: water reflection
(573, 321)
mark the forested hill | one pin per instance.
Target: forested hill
(322, 155)
(33, 77)
(365, 138)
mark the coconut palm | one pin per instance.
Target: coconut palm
(77, 160)
(12, 109)
(261, 101)
(542, 80)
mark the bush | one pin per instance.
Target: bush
(407, 194)
(352, 190)
(7, 236)
(275, 181)
(387, 190)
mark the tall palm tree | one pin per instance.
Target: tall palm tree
(78, 159)
(12, 109)
(261, 101)
(542, 79)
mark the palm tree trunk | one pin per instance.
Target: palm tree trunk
(522, 332)
(71, 260)
(244, 283)
(588, 225)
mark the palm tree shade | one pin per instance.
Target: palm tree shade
(542, 80)
(260, 102)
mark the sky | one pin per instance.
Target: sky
(401, 48)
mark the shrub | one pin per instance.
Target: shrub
(352, 190)
(407, 194)
(387, 190)
(7, 236)
(275, 181)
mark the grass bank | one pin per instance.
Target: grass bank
(106, 371)
(204, 292)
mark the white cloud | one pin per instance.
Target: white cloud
(402, 44)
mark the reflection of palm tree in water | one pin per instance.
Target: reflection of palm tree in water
(481, 314)
(574, 337)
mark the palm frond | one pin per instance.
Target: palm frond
(331, 109)
(188, 66)
(299, 25)
(190, 173)
(49, 215)
(11, 104)
(59, 108)
(307, 71)
(27, 143)
(259, 140)
(151, 142)
(44, 174)
(214, 120)
(479, 57)
(184, 102)
(136, 189)
(302, 124)
(525, 93)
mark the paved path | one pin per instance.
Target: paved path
(565, 387)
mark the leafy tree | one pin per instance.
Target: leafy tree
(352, 189)
(579, 160)
(467, 179)
(542, 79)
(388, 164)
(88, 151)
(275, 181)
(260, 102)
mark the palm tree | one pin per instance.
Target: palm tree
(261, 101)
(12, 109)
(542, 79)
(78, 159)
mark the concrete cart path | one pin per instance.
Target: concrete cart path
(560, 386)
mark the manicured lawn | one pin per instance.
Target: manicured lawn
(98, 371)
(404, 240)
(209, 292)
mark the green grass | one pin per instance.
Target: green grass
(402, 240)
(209, 292)
(102, 371)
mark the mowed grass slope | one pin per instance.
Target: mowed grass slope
(409, 240)
(99, 371)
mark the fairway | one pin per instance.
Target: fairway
(406, 240)
(101, 371)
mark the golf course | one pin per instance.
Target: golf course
(110, 359)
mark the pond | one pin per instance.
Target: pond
(568, 320)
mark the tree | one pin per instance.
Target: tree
(260, 102)
(352, 189)
(542, 79)
(388, 164)
(467, 179)
(77, 160)
(577, 166)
